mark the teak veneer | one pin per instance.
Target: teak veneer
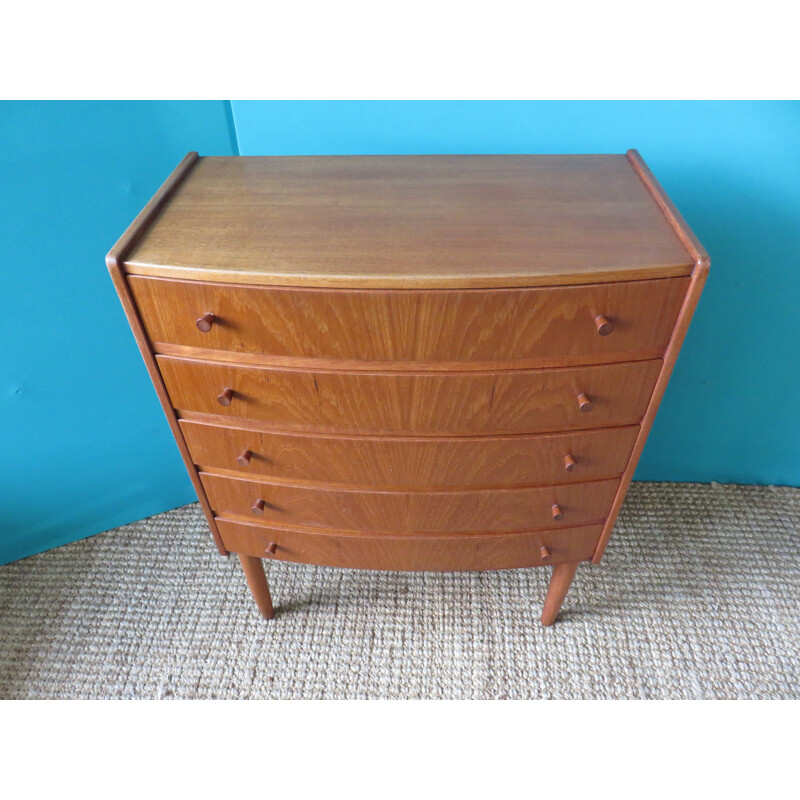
(411, 363)
(393, 329)
(398, 462)
(431, 511)
(440, 403)
(412, 552)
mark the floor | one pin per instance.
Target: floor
(698, 596)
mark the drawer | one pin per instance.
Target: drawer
(540, 327)
(411, 512)
(513, 401)
(436, 553)
(413, 461)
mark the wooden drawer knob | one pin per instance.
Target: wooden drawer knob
(584, 403)
(558, 514)
(603, 325)
(271, 548)
(205, 322)
(569, 463)
(226, 397)
(546, 554)
(258, 507)
(244, 458)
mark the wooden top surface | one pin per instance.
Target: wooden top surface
(407, 222)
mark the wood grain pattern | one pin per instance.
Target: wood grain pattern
(357, 509)
(412, 462)
(412, 221)
(474, 329)
(516, 401)
(412, 553)
(689, 304)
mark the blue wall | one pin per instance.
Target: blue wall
(84, 445)
(732, 168)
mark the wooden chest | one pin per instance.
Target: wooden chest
(410, 363)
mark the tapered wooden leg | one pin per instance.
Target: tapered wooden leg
(257, 581)
(560, 581)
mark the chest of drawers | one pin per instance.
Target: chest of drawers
(410, 363)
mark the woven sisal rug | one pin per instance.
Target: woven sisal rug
(698, 597)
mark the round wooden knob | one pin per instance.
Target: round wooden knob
(258, 507)
(205, 322)
(271, 548)
(569, 463)
(584, 403)
(244, 458)
(558, 514)
(603, 325)
(546, 554)
(226, 397)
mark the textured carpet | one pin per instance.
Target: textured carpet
(698, 597)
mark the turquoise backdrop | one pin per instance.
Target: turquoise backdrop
(84, 445)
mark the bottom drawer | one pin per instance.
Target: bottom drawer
(452, 552)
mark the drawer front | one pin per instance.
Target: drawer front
(434, 553)
(413, 462)
(542, 326)
(411, 512)
(516, 401)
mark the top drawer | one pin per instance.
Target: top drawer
(535, 327)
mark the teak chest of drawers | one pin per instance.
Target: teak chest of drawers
(410, 363)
